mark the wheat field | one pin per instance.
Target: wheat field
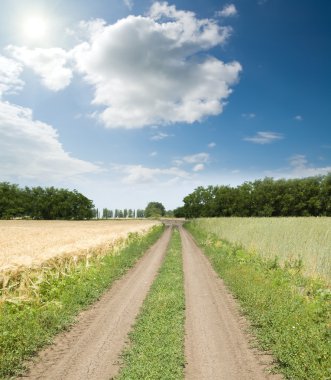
(30, 243)
(290, 239)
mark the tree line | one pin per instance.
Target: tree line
(267, 197)
(152, 210)
(119, 213)
(50, 203)
(43, 203)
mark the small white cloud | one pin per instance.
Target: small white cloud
(153, 154)
(31, 149)
(264, 137)
(248, 116)
(50, 64)
(177, 162)
(299, 167)
(228, 10)
(196, 158)
(198, 167)
(160, 136)
(298, 161)
(298, 118)
(139, 174)
(129, 4)
(211, 145)
(10, 71)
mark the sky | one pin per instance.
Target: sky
(133, 101)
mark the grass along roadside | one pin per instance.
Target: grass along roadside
(289, 313)
(28, 323)
(157, 340)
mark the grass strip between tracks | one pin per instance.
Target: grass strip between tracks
(157, 340)
(289, 313)
(27, 325)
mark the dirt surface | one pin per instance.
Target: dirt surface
(216, 346)
(91, 349)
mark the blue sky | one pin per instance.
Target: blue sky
(136, 101)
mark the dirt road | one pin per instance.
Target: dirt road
(90, 350)
(215, 345)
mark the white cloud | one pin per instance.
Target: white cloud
(196, 158)
(153, 154)
(299, 167)
(265, 137)
(186, 31)
(10, 71)
(248, 116)
(150, 70)
(50, 64)
(198, 167)
(139, 174)
(129, 4)
(228, 10)
(160, 136)
(31, 149)
(302, 168)
(211, 145)
(298, 161)
(177, 162)
(298, 118)
(144, 70)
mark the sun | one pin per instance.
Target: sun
(35, 27)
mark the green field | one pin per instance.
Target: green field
(303, 241)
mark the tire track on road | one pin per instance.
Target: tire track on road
(216, 346)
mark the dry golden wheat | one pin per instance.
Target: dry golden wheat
(32, 251)
(30, 243)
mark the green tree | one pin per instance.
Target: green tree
(267, 197)
(325, 195)
(11, 201)
(179, 212)
(154, 210)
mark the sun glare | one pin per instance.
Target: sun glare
(35, 28)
